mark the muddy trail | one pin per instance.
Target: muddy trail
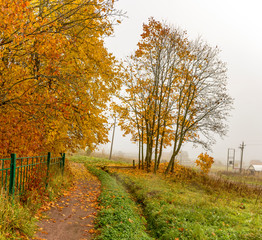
(72, 216)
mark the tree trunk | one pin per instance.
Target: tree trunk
(139, 153)
(160, 152)
(142, 133)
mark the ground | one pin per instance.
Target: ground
(72, 216)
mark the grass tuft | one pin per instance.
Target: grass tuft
(16, 221)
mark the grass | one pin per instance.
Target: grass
(250, 179)
(16, 221)
(190, 210)
(119, 217)
(18, 217)
(180, 206)
(95, 161)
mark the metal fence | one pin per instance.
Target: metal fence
(18, 174)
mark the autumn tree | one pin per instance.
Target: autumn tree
(175, 92)
(131, 111)
(56, 74)
(205, 162)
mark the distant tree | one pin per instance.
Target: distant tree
(88, 151)
(175, 92)
(205, 162)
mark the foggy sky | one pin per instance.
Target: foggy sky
(232, 25)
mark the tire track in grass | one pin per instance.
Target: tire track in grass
(119, 218)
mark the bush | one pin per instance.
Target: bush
(204, 161)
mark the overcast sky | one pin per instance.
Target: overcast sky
(235, 26)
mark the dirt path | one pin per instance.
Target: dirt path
(72, 217)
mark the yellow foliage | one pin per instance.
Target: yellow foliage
(56, 74)
(204, 161)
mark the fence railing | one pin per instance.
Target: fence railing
(16, 174)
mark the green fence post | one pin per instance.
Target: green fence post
(63, 163)
(12, 175)
(48, 168)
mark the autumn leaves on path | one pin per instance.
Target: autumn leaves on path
(72, 217)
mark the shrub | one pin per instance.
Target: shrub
(204, 161)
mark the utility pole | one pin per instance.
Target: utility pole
(242, 146)
(112, 142)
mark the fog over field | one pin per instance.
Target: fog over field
(235, 27)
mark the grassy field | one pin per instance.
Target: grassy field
(179, 206)
(250, 179)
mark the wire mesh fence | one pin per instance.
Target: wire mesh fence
(17, 174)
